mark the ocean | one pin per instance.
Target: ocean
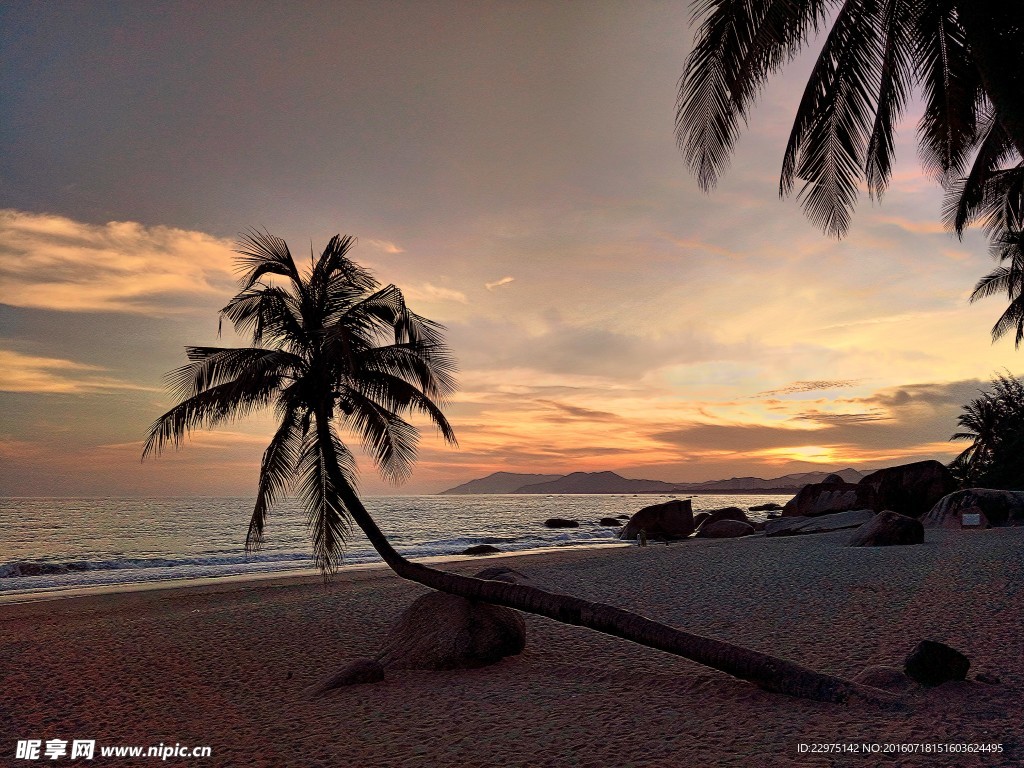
(52, 544)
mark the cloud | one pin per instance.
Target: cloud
(832, 419)
(906, 420)
(955, 393)
(498, 283)
(430, 292)
(809, 386)
(574, 412)
(385, 246)
(47, 375)
(52, 262)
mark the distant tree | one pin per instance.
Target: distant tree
(343, 352)
(994, 422)
(966, 57)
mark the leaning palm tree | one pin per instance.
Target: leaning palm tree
(332, 349)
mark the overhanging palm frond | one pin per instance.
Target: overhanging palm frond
(1011, 319)
(739, 43)
(952, 88)
(967, 198)
(894, 76)
(829, 139)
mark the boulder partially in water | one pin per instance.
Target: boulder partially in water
(672, 520)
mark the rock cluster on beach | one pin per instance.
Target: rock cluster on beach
(993, 507)
(889, 507)
(909, 489)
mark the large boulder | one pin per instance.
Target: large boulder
(909, 489)
(671, 520)
(442, 631)
(796, 526)
(726, 513)
(826, 498)
(998, 508)
(934, 663)
(886, 529)
(724, 529)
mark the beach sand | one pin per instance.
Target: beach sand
(226, 664)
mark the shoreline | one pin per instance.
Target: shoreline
(227, 664)
(297, 576)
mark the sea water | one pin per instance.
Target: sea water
(49, 544)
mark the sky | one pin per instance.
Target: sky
(512, 167)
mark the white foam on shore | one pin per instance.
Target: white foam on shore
(299, 574)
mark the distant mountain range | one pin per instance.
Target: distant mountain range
(609, 482)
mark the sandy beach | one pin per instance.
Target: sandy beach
(226, 664)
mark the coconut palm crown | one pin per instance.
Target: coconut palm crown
(330, 348)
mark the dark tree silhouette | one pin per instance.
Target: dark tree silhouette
(343, 352)
(994, 423)
(965, 57)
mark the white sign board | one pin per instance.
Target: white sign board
(970, 520)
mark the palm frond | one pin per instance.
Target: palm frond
(1012, 318)
(967, 198)
(430, 366)
(828, 142)
(212, 366)
(216, 405)
(397, 396)
(326, 515)
(995, 282)
(952, 88)
(739, 43)
(260, 254)
(385, 435)
(279, 462)
(894, 77)
(268, 312)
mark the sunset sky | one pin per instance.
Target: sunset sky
(512, 167)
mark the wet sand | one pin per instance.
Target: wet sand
(226, 664)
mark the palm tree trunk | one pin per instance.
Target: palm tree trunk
(768, 672)
(994, 29)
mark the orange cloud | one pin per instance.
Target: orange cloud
(51, 262)
(48, 375)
